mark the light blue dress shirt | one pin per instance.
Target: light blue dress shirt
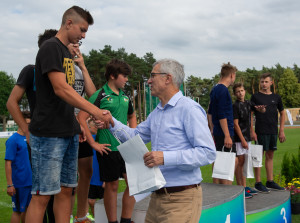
(180, 130)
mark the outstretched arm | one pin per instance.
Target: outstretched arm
(69, 95)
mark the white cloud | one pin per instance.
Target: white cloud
(200, 34)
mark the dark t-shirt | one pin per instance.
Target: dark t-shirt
(242, 112)
(220, 107)
(52, 116)
(27, 81)
(267, 123)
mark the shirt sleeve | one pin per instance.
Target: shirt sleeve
(130, 107)
(222, 98)
(280, 104)
(50, 56)
(26, 77)
(11, 149)
(202, 151)
(123, 131)
(235, 108)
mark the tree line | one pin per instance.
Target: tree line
(286, 84)
(286, 80)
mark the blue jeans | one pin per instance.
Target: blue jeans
(54, 163)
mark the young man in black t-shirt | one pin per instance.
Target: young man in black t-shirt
(26, 84)
(54, 128)
(242, 119)
(266, 130)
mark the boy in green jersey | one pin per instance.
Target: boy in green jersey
(111, 164)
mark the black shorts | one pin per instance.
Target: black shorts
(219, 142)
(111, 166)
(85, 150)
(269, 142)
(96, 192)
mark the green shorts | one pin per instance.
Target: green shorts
(269, 142)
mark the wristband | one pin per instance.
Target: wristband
(10, 185)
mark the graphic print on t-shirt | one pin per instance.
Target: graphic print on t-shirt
(69, 71)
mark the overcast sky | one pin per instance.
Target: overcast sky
(200, 34)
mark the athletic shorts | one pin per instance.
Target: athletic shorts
(54, 163)
(219, 142)
(240, 150)
(112, 166)
(96, 192)
(21, 199)
(269, 142)
(85, 150)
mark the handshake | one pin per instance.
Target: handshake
(103, 119)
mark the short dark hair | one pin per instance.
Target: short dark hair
(76, 10)
(49, 33)
(265, 75)
(227, 69)
(237, 85)
(26, 114)
(115, 67)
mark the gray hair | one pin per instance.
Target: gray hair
(172, 67)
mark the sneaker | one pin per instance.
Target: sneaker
(251, 191)
(261, 188)
(274, 186)
(248, 195)
(90, 217)
(86, 220)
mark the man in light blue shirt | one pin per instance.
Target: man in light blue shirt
(181, 143)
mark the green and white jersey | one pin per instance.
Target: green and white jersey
(119, 106)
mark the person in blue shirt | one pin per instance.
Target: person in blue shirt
(220, 114)
(181, 142)
(96, 190)
(18, 172)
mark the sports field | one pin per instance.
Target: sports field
(291, 146)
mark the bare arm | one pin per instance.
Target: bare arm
(8, 172)
(13, 107)
(132, 120)
(69, 95)
(238, 131)
(252, 132)
(227, 139)
(281, 127)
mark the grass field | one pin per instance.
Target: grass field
(291, 146)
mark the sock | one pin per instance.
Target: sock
(125, 220)
(81, 219)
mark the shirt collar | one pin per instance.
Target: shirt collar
(108, 90)
(173, 100)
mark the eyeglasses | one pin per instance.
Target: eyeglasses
(79, 43)
(153, 74)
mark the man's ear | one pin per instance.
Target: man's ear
(169, 78)
(69, 23)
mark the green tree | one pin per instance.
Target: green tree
(198, 88)
(289, 89)
(7, 83)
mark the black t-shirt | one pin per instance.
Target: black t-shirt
(267, 123)
(242, 112)
(26, 79)
(52, 116)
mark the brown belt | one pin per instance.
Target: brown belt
(175, 189)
